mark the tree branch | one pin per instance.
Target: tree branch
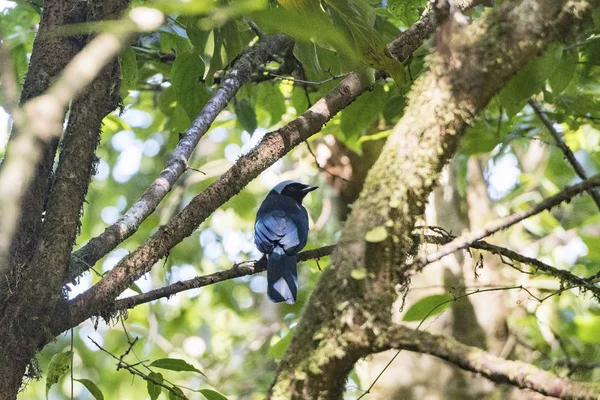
(563, 275)
(563, 146)
(273, 146)
(469, 238)
(516, 373)
(411, 39)
(128, 224)
(74, 171)
(48, 58)
(41, 118)
(237, 270)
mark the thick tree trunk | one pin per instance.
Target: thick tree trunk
(31, 291)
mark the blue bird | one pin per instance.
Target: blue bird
(280, 232)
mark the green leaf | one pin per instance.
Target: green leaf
(270, 99)
(177, 396)
(278, 349)
(187, 73)
(359, 115)
(135, 288)
(530, 80)
(588, 327)
(406, 11)
(59, 365)
(154, 390)
(563, 74)
(212, 394)
(129, 71)
(376, 235)
(175, 364)
(428, 307)
(308, 26)
(92, 388)
(245, 115)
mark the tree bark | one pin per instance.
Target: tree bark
(32, 288)
(345, 315)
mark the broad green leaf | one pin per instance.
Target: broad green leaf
(376, 235)
(212, 394)
(591, 51)
(231, 41)
(563, 74)
(277, 350)
(135, 288)
(306, 53)
(175, 364)
(360, 114)
(428, 307)
(129, 71)
(530, 80)
(92, 388)
(270, 98)
(246, 115)
(588, 327)
(406, 11)
(187, 73)
(178, 396)
(308, 26)
(59, 365)
(154, 390)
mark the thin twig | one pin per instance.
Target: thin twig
(469, 238)
(561, 274)
(236, 271)
(305, 82)
(563, 146)
(323, 168)
(134, 371)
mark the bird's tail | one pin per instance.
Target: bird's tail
(282, 277)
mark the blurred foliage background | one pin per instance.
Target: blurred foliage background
(230, 331)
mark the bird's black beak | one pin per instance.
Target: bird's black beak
(308, 188)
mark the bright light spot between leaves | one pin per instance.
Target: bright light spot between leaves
(109, 215)
(128, 164)
(137, 118)
(502, 175)
(102, 171)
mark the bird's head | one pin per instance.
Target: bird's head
(295, 190)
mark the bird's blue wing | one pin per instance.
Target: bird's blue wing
(276, 228)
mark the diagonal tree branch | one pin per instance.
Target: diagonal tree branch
(516, 373)
(469, 238)
(563, 146)
(272, 147)
(237, 270)
(241, 73)
(408, 41)
(561, 274)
